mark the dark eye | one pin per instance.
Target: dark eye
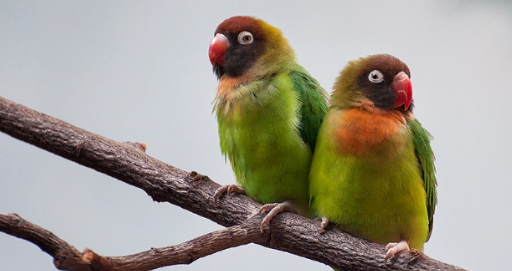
(375, 76)
(245, 37)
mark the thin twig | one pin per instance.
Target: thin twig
(68, 258)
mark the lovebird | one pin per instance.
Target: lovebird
(372, 172)
(269, 110)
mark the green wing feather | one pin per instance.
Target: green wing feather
(314, 105)
(425, 155)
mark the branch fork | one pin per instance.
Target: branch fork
(129, 163)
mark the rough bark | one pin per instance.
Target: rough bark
(66, 257)
(189, 190)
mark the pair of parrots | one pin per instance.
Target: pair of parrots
(363, 162)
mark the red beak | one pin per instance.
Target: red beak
(403, 90)
(218, 46)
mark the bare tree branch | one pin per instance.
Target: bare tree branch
(66, 257)
(194, 192)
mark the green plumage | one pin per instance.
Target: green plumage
(372, 172)
(269, 133)
(425, 155)
(268, 124)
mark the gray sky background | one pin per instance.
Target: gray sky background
(139, 71)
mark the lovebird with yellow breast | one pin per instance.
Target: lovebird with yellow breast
(269, 110)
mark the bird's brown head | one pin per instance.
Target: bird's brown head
(382, 80)
(241, 42)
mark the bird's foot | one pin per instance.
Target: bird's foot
(229, 188)
(394, 248)
(274, 209)
(323, 224)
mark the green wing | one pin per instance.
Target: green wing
(421, 139)
(314, 105)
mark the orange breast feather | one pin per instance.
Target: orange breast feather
(362, 132)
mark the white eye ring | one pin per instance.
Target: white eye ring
(375, 76)
(245, 37)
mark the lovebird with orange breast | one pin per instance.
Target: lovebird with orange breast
(269, 110)
(373, 168)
